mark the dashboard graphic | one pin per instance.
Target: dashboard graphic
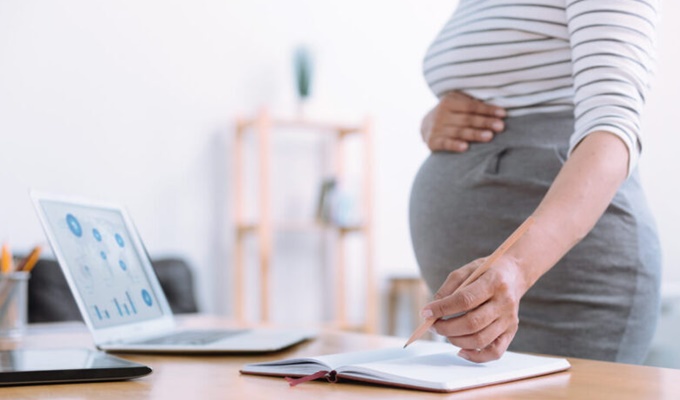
(107, 271)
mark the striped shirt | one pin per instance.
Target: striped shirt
(533, 56)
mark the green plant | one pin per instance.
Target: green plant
(303, 72)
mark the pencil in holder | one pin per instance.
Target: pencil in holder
(13, 304)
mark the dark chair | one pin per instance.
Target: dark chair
(50, 299)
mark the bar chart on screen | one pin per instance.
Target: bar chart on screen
(105, 267)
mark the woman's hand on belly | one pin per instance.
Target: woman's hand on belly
(459, 119)
(485, 312)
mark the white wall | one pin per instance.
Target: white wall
(659, 164)
(131, 101)
(128, 101)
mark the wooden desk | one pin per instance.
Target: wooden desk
(217, 377)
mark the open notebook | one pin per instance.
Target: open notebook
(423, 365)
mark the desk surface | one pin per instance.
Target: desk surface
(212, 377)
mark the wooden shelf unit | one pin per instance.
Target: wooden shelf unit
(263, 126)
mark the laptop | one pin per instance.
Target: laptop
(118, 294)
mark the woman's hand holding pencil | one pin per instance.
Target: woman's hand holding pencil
(477, 306)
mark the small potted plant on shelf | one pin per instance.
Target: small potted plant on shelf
(303, 77)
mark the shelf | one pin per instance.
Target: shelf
(246, 228)
(314, 126)
(263, 230)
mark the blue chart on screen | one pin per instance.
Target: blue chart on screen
(132, 303)
(147, 297)
(105, 262)
(102, 313)
(123, 307)
(119, 240)
(74, 225)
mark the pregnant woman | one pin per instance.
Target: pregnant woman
(539, 114)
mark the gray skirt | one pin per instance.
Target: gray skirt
(601, 300)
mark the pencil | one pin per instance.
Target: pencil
(30, 260)
(477, 273)
(6, 259)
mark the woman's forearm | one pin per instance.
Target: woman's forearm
(580, 194)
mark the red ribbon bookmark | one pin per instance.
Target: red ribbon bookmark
(330, 375)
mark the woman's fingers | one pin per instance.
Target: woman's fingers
(468, 324)
(478, 328)
(476, 121)
(481, 315)
(444, 118)
(440, 143)
(466, 299)
(494, 351)
(468, 134)
(459, 102)
(456, 139)
(459, 118)
(456, 278)
(481, 339)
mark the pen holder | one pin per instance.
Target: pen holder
(13, 304)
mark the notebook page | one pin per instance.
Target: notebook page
(310, 365)
(292, 366)
(446, 371)
(360, 357)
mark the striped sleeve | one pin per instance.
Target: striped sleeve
(612, 44)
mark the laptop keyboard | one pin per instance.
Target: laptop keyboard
(192, 337)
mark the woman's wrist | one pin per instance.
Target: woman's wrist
(575, 201)
(534, 254)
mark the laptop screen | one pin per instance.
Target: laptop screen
(105, 266)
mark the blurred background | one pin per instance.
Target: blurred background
(137, 102)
